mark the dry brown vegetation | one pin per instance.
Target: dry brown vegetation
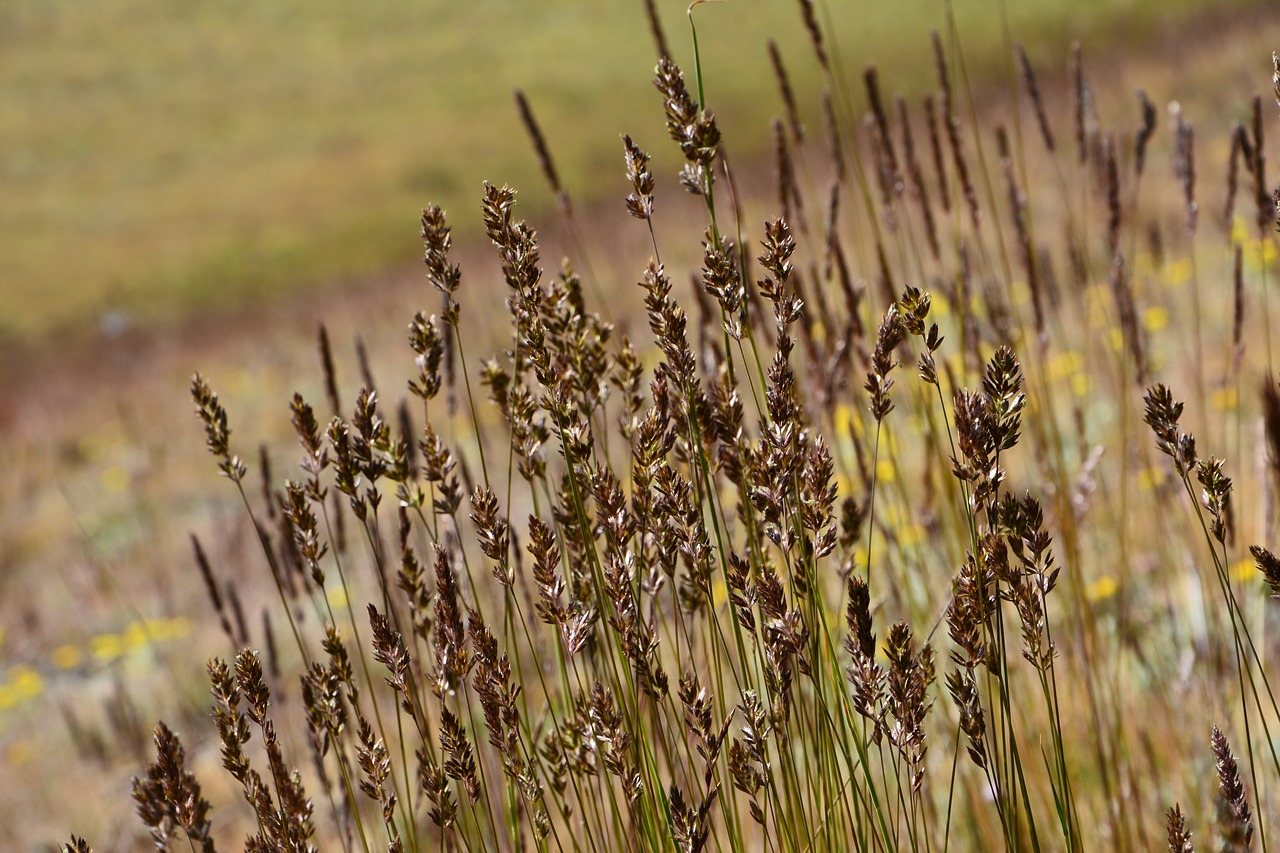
(886, 532)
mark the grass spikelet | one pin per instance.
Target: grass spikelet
(1234, 821)
(640, 202)
(1184, 163)
(1082, 104)
(1146, 129)
(834, 144)
(919, 190)
(545, 163)
(1179, 835)
(810, 19)
(1239, 150)
(655, 28)
(1269, 566)
(871, 79)
(1037, 102)
(935, 148)
(1022, 227)
(169, 797)
(1261, 191)
(951, 124)
(783, 81)
(217, 433)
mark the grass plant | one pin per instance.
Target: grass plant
(889, 533)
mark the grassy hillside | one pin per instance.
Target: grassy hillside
(163, 159)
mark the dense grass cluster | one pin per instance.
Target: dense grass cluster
(750, 584)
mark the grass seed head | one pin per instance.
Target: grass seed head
(1179, 835)
(1234, 821)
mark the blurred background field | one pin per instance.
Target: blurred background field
(163, 161)
(198, 187)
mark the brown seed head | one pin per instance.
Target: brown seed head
(1234, 820)
(1179, 835)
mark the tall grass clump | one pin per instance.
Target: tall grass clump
(832, 558)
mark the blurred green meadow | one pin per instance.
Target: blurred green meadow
(163, 160)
